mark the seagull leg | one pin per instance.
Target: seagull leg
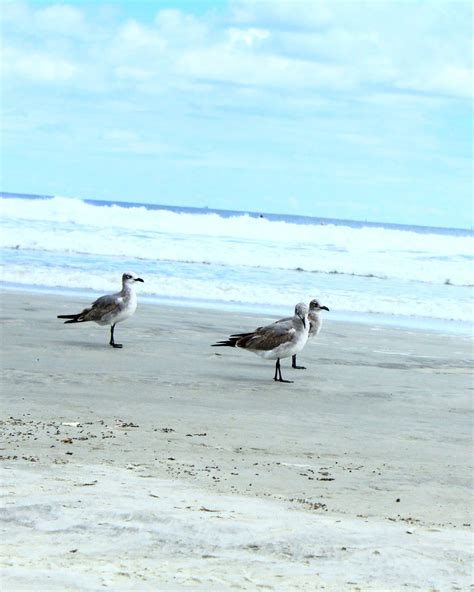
(277, 376)
(293, 364)
(112, 342)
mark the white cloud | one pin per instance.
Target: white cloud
(129, 142)
(283, 14)
(135, 37)
(221, 63)
(61, 19)
(179, 28)
(134, 73)
(247, 37)
(326, 69)
(291, 45)
(19, 18)
(447, 80)
(36, 66)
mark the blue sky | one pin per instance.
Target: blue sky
(353, 109)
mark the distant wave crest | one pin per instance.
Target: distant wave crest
(70, 225)
(68, 242)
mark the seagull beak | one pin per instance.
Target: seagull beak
(139, 280)
(303, 321)
(324, 308)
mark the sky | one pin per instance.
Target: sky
(344, 109)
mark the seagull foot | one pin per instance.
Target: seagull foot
(299, 367)
(282, 380)
(116, 345)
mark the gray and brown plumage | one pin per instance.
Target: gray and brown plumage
(275, 341)
(110, 309)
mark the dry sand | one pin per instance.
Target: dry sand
(171, 465)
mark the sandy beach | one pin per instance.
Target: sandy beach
(171, 465)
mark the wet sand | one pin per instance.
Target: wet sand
(171, 465)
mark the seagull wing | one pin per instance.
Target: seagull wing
(268, 337)
(281, 323)
(102, 307)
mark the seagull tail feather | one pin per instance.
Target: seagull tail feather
(231, 342)
(235, 340)
(74, 318)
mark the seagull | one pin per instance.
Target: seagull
(315, 323)
(110, 309)
(278, 340)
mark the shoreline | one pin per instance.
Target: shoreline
(165, 464)
(416, 323)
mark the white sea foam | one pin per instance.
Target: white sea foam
(281, 297)
(63, 224)
(67, 243)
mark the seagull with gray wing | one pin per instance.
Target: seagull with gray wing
(273, 342)
(110, 309)
(315, 323)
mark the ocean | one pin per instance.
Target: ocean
(251, 261)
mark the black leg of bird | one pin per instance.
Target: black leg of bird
(112, 342)
(276, 370)
(278, 376)
(293, 363)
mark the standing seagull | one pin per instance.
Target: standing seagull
(278, 340)
(315, 323)
(110, 309)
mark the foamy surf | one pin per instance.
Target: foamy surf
(65, 243)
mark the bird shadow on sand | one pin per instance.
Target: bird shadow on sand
(87, 345)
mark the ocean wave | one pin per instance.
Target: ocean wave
(169, 249)
(67, 243)
(147, 222)
(255, 289)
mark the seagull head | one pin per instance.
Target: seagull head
(129, 278)
(314, 305)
